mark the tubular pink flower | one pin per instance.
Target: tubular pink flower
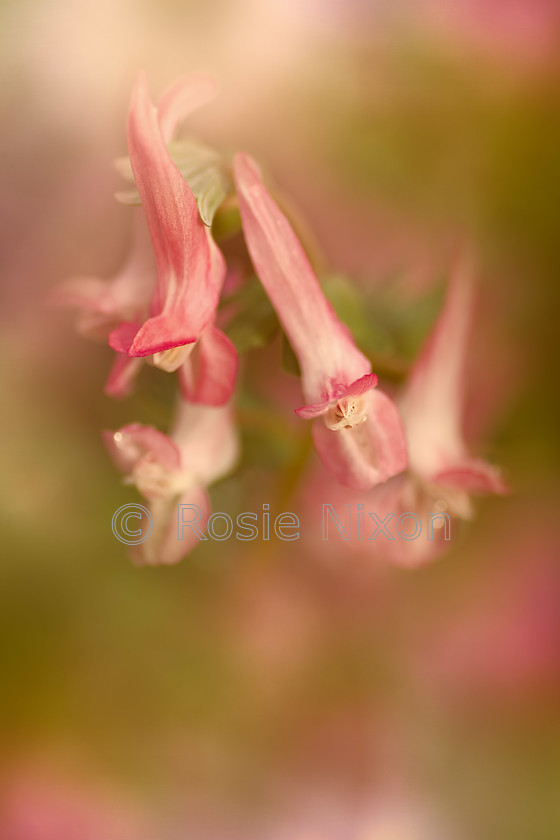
(190, 267)
(103, 304)
(433, 404)
(360, 436)
(134, 309)
(176, 469)
(208, 374)
(442, 476)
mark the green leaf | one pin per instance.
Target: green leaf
(406, 319)
(388, 326)
(202, 168)
(254, 323)
(351, 306)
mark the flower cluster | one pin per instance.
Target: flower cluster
(163, 308)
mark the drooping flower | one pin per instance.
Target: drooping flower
(175, 469)
(432, 405)
(442, 475)
(358, 433)
(411, 519)
(103, 304)
(171, 281)
(190, 267)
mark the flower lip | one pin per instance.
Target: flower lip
(342, 404)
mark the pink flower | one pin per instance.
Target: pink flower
(442, 475)
(102, 304)
(176, 469)
(179, 289)
(359, 434)
(190, 267)
(409, 519)
(433, 404)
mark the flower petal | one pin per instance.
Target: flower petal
(323, 345)
(181, 99)
(190, 271)
(156, 335)
(400, 496)
(207, 439)
(474, 476)
(122, 338)
(163, 546)
(369, 453)
(88, 293)
(208, 375)
(122, 376)
(104, 304)
(356, 389)
(132, 442)
(432, 405)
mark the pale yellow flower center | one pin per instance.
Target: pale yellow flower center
(172, 359)
(346, 413)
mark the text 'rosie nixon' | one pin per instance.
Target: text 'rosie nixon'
(360, 525)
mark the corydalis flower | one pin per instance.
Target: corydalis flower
(432, 406)
(190, 267)
(359, 434)
(103, 304)
(442, 475)
(176, 469)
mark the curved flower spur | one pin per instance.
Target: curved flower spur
(190, 267)
(358, 432)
